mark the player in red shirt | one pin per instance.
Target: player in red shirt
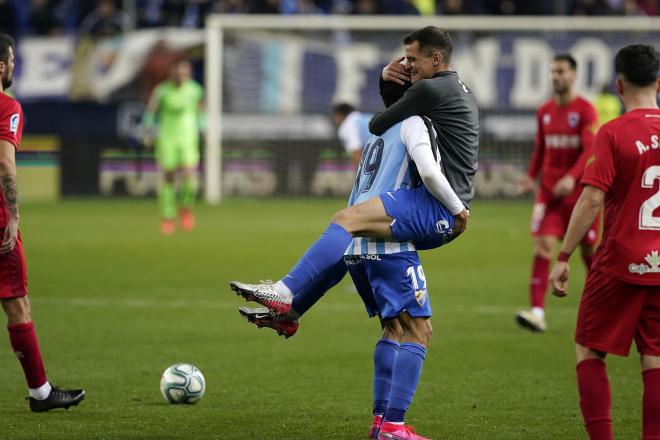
(621, 298)
(565, 130)
(13, 271)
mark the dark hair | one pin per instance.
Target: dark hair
(638, 63)
(568, 58)
(5, 43)
(432, 39)
(343, 108)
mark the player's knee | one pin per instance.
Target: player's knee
(17, 309)
(392, 330)
(419, 330)
(543, 248)
(650, 362)
(343, 219)
(583, 353)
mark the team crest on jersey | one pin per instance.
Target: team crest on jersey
(14, 120)
(653, 266)
(420, 296)
(573, 119)
(546, 119)
(442, 227)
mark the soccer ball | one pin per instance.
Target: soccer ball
(182, 383)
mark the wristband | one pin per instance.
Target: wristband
(563, 257)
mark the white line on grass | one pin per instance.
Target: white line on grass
(155, 303)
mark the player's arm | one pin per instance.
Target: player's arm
(526, 183)
(583, 216)
(202, 121)
(149, 117)
(10, 194)
(415, 136)
(417, 100)
(566, 184)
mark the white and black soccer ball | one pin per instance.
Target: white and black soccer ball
(182, 383)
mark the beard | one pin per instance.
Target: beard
(7, 81)
(560, 89)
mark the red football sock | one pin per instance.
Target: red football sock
(588, 259)
(595, 398)
(24, 342)
(651, 404)
(538, 285)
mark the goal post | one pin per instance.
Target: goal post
(271, 80)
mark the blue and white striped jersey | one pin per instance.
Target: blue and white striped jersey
(386, 165)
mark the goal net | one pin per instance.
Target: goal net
(271, 82)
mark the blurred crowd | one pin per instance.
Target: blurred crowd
(107, 17)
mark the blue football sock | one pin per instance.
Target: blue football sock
(407, 370)
(313, 292)
(326, 252)
(385, 356)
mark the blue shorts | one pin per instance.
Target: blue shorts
(418, 217)
(390, 284)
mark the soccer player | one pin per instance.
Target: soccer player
(352, 130)
(436, 91)
(13, 271)
(566, 125)
(388, 274)
(621, 298)
(178, 105)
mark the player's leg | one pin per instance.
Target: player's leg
(166, 156)
(287, 325)
(23, 338)
(545, 224)
(24, 342)
(594, 391)
(607, 322)
(385, 355)
(418, 217)
(189, 184)
(326, 252)
(651, 399)
(400, 290)
(407, 368)
(648, 344)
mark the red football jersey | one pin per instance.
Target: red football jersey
(625, 163)
(11, 130)
(564, 136)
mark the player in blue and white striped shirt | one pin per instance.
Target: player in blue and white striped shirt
(387, 272)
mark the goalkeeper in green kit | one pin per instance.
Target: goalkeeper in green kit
(175, 117)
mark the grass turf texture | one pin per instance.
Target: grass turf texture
(115, 303)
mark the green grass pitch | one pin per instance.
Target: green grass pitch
(115, 303)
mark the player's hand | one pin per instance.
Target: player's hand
(525, 184)
(11, 236)
(461, 222)
(147, 141)
(564, 186)
(559, 279)
(396, 72)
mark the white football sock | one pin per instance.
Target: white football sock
(538, 312)
(42, 392)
